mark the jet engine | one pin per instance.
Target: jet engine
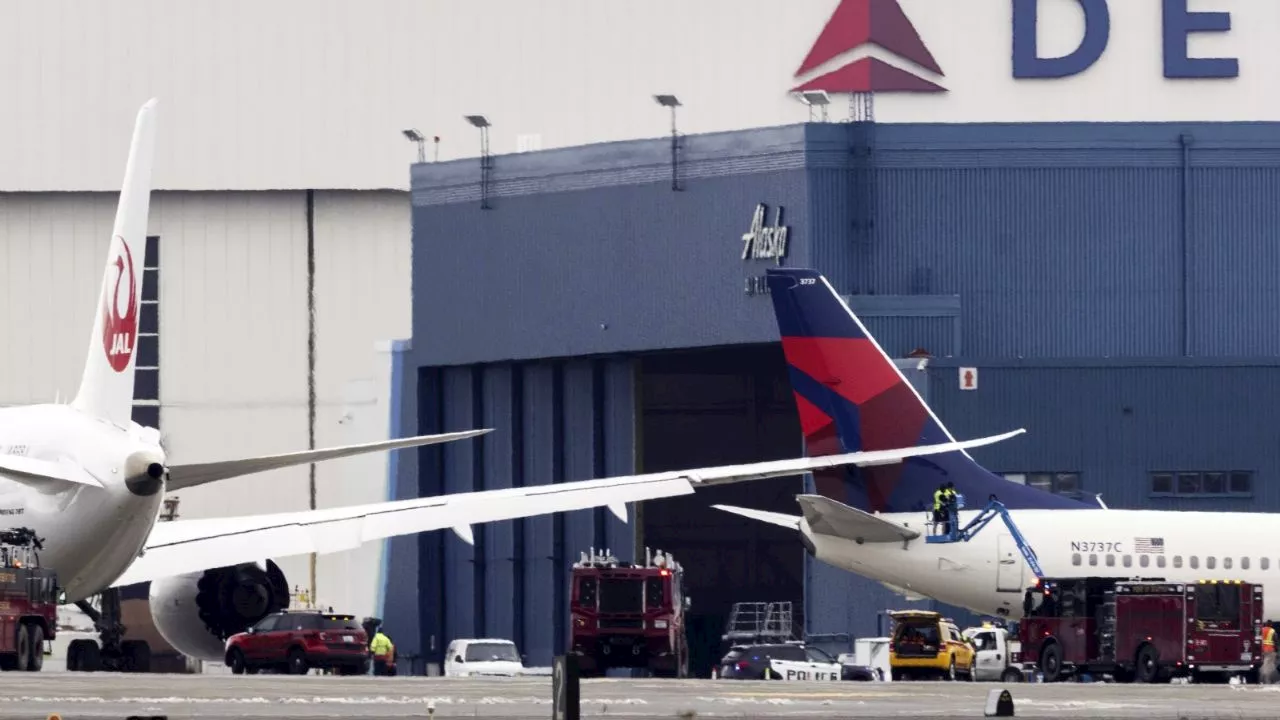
(197, 612)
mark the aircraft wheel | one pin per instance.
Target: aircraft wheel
(137, 654)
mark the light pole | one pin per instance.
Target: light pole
(671, 102)
(414, 136)
(482, 123)
(815, 98)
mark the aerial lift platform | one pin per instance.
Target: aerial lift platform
(965, 534)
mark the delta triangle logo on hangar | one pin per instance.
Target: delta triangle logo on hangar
(856, 23)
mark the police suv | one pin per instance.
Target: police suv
(789, 661)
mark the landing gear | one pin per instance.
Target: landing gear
(115, 654)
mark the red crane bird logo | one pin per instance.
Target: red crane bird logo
(120, 332)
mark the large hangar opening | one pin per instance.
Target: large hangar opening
(717, 407)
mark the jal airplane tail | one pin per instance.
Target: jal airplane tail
(106, 388)
(851, 397)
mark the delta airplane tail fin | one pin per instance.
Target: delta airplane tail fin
(851, 397)
(106, 388)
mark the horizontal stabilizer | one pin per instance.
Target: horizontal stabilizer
(186, 476)
(38, 473)
(791, 522)
(828, 517)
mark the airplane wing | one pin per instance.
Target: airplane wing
(40, 473)
(187, 476)
(183, 546)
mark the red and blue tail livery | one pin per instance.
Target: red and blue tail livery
(851, 397)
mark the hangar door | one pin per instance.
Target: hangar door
(718, 407)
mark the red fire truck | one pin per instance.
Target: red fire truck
(29, 598)
(628, 615)
(1147, 630)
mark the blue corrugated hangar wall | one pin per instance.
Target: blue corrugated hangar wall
(1112, 283)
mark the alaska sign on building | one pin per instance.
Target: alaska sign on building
(764, 242)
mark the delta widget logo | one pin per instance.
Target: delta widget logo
(120, 331)
(860, 22)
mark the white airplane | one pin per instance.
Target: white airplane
(89, 482)
(872, 520)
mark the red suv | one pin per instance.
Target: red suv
(297, 640)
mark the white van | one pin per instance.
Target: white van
(485, 656)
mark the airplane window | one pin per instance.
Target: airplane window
(1160, 561)
(1093, 559)
(1128, 561)
(1209, 562)
(1244, 563)
(1111, 560)
(1195, 562)
(1144, 560)
(1177, 561)
(1075, 558)
(1266, 563)
(1226, 563)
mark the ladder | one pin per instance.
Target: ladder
(989, 513)
(1107, 626)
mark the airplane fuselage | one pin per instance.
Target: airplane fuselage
(988, 574)
(91, 535)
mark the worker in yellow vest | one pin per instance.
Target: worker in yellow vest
(1267, 674)
(939, 509)
(383, 651)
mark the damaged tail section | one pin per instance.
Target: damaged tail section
(851, 397)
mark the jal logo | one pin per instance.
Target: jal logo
(120, 329)
(858, 23)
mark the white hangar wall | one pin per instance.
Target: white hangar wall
(233, 337)
(314, 93)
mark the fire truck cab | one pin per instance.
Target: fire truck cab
(29, 598)
(1148, 630)
(628, 615)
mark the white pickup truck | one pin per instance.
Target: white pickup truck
(995, 648)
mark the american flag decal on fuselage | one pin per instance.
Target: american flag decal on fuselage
(1148, 545)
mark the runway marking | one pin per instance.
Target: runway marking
(319, 700)
(796, 695)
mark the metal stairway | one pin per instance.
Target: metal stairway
(1107, 626)
(760, 622)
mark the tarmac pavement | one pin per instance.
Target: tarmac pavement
(102, 695)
